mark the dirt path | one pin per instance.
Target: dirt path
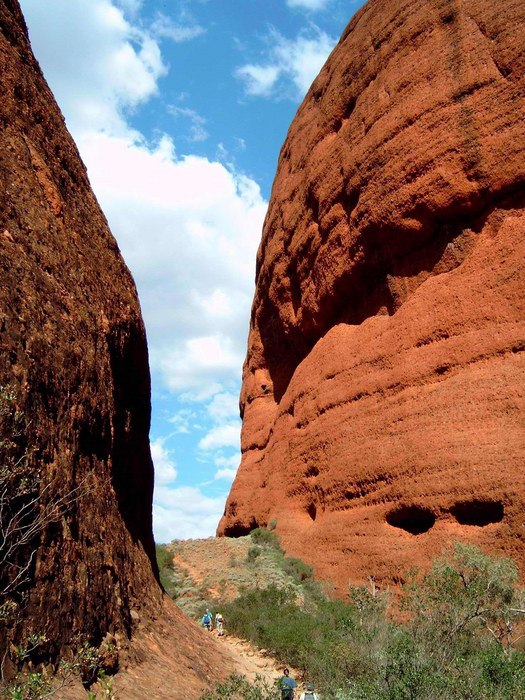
(252, 662)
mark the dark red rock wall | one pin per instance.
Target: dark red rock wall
(383, 392)
(73, 346)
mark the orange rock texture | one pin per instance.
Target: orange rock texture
(383, 396)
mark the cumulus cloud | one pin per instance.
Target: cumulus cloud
(174, 218)
(224, 435)
(181, 511)
(308, 4)
(289, 61)
(198, 132)
(223, 406)
(227, 466)
(100, 67)
(226, 474)
(184, 30)
(184, 421)
(165, 471)
(187, 512)
(188, 228)
(259, 80)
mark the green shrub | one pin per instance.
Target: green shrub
(272, 524)
(164, 557)
(238, 688)
(298, 569)
(253, 553)
(265, 538)
(457, 640)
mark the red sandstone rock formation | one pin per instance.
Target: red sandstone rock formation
(73, 348)
(383, 389)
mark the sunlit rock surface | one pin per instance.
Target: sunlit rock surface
(383, 389)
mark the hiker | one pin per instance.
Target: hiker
(309, 693)
(218, 624)
(287, 685)
(207, 621)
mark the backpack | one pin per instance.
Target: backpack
(207, 619)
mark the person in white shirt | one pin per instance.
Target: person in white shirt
(219, 620)
(309, 694)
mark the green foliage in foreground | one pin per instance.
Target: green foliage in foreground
(164, 557)
(265, 538)
(457, 643)
(238, 688)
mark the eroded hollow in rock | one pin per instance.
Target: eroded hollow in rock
(312, 511)
(480, 513)
(412, 519)
(240, 530)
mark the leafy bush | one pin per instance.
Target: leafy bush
(238, 688)
(298, 569)
(457, 640)
(265, 538)
(164, 557)
(253, 553)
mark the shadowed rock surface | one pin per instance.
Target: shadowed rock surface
(383, 391)
(73, 347)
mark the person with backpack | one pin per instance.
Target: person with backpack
(207, 621)
(309, 693)
(287, 686)
(219, 620)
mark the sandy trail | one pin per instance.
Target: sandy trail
(252, 662)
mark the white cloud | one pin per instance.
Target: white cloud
(198, 132)
(308, 4)
(224, 435)
(165, 471)
(223, 406)
(185, 30)
(185, 513)
(188, 228)
(217, 304)
(97, 62)
(289, 61)
(199, 363)
(183, 421)
(227, 466)
(131, 6)
(226, 474)
(259, 80)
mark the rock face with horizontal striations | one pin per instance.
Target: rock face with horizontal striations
(383, 396)
(73, 350)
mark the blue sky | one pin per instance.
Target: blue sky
(179, 109)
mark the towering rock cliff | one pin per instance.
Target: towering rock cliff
(73, 351)
(383, 395)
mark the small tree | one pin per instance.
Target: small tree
(27, 507)
(464, 592)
